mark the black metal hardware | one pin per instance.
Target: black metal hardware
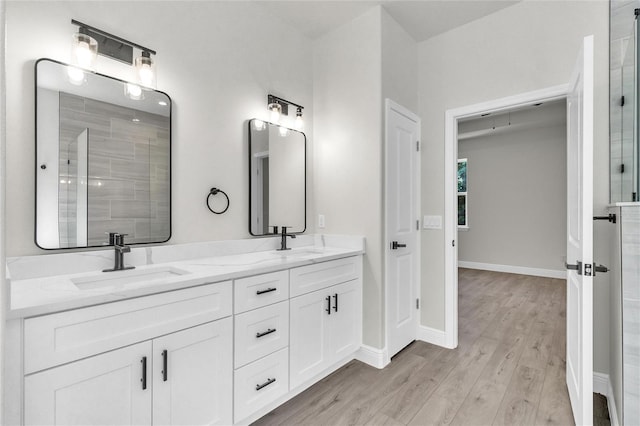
(284, 104)
(283, 239)
(587, 269)
(117, 240)
(264, 333)
(417, 145)
(43, 166)
(622, 101)
(636, 12)
(216, 191)
(599, 268)
(611, 218)
(103, 41)
(265, 384)
(269, 290)
(165, 362)
(417, 303)
(622, 168)
(453, 243)
(576, 267)
(335, 300)
(328, 299)
(144, 372)
(395, 245)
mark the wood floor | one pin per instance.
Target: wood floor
(508, 369)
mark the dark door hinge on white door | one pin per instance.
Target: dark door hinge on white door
(418, 225)
(417, 303)
(417, 145)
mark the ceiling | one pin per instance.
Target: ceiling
(422, 19)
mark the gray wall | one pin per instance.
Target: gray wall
(517, 191)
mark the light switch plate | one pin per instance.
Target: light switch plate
(432, 222)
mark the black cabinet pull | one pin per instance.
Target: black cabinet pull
(269, 290)
(335, 306)
(144, 372)
(265, 384)
(165, 362)
(264, 333)
(328, 299)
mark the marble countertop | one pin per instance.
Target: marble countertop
(32, 296)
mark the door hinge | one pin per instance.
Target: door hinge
(453, 243)
(622, 168)
(418, 225)
(622, 101)
(417, 303)
(417, 145)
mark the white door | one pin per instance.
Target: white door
(192, 376)
(580, 236)
(109, 389)
(401, 203)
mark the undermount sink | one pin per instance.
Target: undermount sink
(127, 277)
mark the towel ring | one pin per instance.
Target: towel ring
(216, 191)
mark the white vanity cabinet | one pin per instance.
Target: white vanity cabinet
(164, 377)
(326, 323)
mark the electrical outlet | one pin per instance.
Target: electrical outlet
(320, 221)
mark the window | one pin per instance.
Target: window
(463, 215)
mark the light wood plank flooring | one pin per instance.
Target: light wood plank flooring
(509, 367)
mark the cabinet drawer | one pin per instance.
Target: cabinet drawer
(261, 332)
(260, 290)
(320, 275)
(55, 339)
(260, 383)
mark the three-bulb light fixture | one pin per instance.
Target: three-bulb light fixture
(89, 42)
(278, 107)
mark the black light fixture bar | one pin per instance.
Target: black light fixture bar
(111, 45)
(271, 99)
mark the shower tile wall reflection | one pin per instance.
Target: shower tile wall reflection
(128, 169)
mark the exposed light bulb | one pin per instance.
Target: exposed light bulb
(275, 109)
(84, 50)
(146, 74)
(299, 122)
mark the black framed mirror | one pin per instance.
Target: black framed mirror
(103, 159)
(277, 179)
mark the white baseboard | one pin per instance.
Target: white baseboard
(433, 336)
(523, 270)
(602, 385)
(375, 357)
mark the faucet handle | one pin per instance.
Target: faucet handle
(112, 237)
(119, 239)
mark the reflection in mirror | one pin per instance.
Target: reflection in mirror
(103, 159)
(277, 179)
(624, 142)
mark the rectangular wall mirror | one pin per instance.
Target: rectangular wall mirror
(103, 159)
(277, 179)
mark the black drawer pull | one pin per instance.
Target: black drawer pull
(144, 372)
(335, 298)
(269, 290)
(264, 333)
(165, 361)
(328, 299)
(265, 384)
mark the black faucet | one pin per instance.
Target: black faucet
(283, 240)
(117, 240)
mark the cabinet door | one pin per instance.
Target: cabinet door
(307, 340)
(104, 389)
(193, 378)
(345, 324)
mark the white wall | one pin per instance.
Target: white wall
(528, 46)
(3, 285)
(399, 64)
(516, 202)
(348, 149)
(217, 61)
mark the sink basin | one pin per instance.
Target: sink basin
(128, 277)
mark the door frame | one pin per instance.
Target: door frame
(450, 193)
(388, 106)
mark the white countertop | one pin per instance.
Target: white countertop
(31, 296)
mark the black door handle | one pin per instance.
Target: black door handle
(165, 362)
(144, 372)
(576, 267)
(269, 290)
(328, 299)
(265, 384)
(395, 245)
(265, 333)
(335, 298)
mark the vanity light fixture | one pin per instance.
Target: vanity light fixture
(90, 41)
(278, 106)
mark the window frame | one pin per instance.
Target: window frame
(464, 194)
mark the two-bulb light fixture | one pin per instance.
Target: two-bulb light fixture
(89, 42)
(278, 107)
